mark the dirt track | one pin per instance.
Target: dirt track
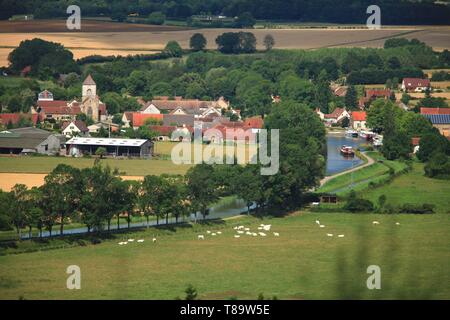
(8, 180)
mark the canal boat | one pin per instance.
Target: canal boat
(347, 151)
(351, 133)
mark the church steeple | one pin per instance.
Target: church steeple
(89, 87)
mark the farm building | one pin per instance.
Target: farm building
(139, 148)
(29, 140)
(358, 120)
(441, 122)
(415, 84)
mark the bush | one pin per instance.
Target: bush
(438, 166)
(157, 18)
(355, 204)
(425, 208)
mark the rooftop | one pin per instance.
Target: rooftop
(107, 142)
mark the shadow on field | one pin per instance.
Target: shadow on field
(401, 278)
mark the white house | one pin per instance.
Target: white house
(74, 128)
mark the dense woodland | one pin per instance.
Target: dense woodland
(344, 11)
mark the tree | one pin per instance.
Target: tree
(405, 98)
(202, 187)
(351, 98)
(101, 152)
(61, 194)
(438, 166)
(245, 20)
(269, 42)
(197, 42)
(228, 42)
(323, 94)
(19, 208)
(156, 17)
(156, 197)
(247, 42)
(396, 143)
(173, 49)
(6, 208)
(430, 143)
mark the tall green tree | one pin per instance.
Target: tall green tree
(351, 98)
(197, 42)
(202, 187)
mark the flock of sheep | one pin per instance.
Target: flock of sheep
(263, 230)
(242, 231)
(342, 235)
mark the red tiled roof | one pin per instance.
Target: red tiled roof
(14, 118)
(254, 122)
(163, 130)
(359, 116)
(240, 134)
(140, 118)
(434, 110)
(370, 93)
(412, 83)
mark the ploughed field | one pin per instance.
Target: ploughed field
(302, 262)
(111, 38)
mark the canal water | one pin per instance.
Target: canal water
(335, 161)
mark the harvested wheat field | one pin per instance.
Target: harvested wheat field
(109, 37)
(8, 180)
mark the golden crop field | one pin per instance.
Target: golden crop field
(109, 38)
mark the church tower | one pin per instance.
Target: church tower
(89, 87)
(90, 101)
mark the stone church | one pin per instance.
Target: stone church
(59, 110)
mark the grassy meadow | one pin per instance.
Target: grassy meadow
(302, 263)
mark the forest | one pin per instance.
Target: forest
(394, 12)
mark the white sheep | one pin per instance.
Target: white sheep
(240, 227)
(322, 226)
(201, 237)
(208, 232)
(267, 227)
(329, 234)
(397, 223)
(235, 228)
(260, 228)
(130, 240)
(140, 240)
(237, 236)
(240, 232)
(247, 229)
(219, 232)
(276, 234)
(262, 234)
(154, 239)
(318, 222)
(375, 222)
(249, 233)
(340, 236)
(213, 234)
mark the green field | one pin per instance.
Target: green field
(413, 187)
(129, 167)
(302, 263)
(360, 179)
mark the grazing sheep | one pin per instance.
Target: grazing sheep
(322, 226)
(247, 229)
(262, 234)
(254, 234)
(208, 231)
(240, 232)
(240, 227)
(122, 243)
(340, 236)
(329, 234)
(267, 227)
(237, 236)
(154, 240)
(140, 240)
(375, 222)
(219, 232)
(213, 234)
(235, 228)
(276, 234)
(249, 233)
(315, 203)
(397, 223)
(260, 228)
(201, 237)
(130, 240)
(318, 222)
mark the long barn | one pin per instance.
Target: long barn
(138, 148)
